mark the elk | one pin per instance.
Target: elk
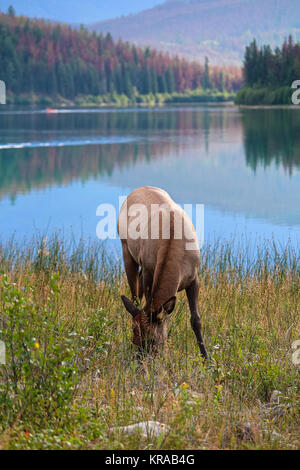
(155, 234)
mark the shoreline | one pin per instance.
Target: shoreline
(268, 106)
(194, 97)
(89, 106)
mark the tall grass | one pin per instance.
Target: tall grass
(71, 375)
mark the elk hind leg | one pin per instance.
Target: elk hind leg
(192, 295)
(132, 272)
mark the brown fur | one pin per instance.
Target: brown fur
(166, 267)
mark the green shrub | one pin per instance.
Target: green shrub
(263, 96)
(40, 375)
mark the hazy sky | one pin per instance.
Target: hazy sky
(78, 11)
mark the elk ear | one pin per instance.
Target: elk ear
(170, 305)
(130, 307)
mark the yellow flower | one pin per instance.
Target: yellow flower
(184, 385)
(112, 393)
(36, 345)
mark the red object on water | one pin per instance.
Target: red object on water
(51, 110)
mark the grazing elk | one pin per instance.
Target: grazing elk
(156, 236)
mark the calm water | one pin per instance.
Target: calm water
(244, 165)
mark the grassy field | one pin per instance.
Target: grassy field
(71, 376)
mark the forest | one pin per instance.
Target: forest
(269, 74)
(41, 58)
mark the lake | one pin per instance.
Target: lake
(242, 164)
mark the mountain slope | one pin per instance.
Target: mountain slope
(217, 28)
(77, 11)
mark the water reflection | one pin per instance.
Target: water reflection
(159, 134)
(272, 136)
(236, 162)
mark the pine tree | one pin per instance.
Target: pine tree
(170, 82)
(162, 86)
(127, 85)
(206, 77)
(222, 81)
(146, 85)
(11, 11)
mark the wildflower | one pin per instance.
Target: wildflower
(36, 345)
(112, 393)
(184, 386)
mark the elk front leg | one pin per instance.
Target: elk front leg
(147, 285)
(192, 295)
(132, 272)
(141, 287)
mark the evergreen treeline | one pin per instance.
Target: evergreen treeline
(52, 59)
(268, 74)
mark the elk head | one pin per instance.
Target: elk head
(149, 327)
